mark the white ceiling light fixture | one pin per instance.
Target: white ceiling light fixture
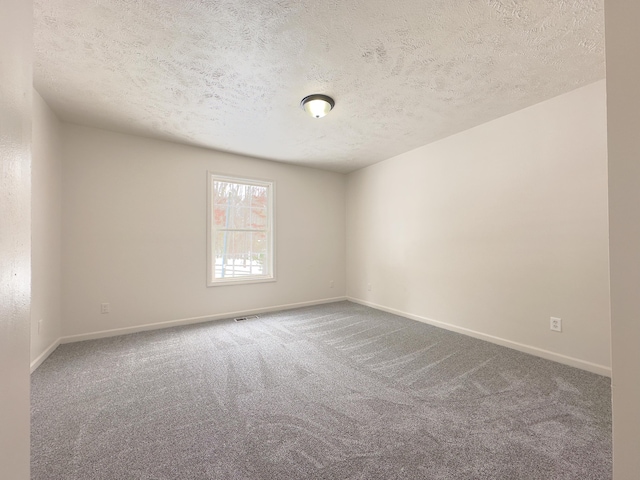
(317, 105)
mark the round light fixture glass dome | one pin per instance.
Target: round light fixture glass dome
(317, 105)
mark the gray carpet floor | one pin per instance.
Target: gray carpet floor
(338, 391)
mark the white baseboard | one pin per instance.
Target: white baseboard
(188, 321)
(571, 361)
(44, 355)
(538, 352)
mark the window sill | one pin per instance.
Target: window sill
(240, 281)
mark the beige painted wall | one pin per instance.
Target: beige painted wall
(46, 224)
(134, 232)
(623, 110)
(15, 235)
(494, 230)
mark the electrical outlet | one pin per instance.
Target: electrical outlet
(330, 283)
(556, 324)
(40, 325)
(369, 286)
(104, 308)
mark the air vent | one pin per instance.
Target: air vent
(242, 319)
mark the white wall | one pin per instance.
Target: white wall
(623, 110)
(494, 230)
(46, 223)
(134, 232)
(15, 235)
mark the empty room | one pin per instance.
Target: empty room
(319, 240)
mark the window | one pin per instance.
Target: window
(240, 227)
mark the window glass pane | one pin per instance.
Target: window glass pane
(259, 219)
(221, 205)
(239, 216)
(241, 206)
(219, 215)
(240, 254)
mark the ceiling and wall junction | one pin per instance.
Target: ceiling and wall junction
(230, 74)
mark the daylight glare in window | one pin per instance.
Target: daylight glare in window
(241, 234)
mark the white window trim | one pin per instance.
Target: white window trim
(213, 282)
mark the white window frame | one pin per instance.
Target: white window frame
(211, 228)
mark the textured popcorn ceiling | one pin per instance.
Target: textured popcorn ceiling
(230, 74)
